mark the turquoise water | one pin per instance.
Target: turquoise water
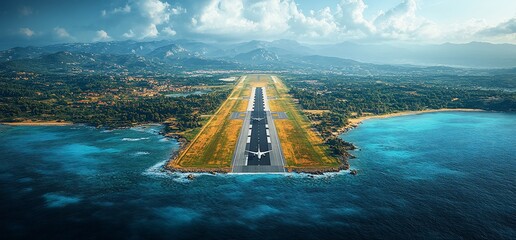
(186, 94)
(439, 175)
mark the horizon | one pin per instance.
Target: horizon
(395, 22)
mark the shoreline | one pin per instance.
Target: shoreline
(37, 123)
(354, 122)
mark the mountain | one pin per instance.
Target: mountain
(68, 62)
(470, 55)
(119, 48)
(260, 56)
(21, 53)
(171, 52)
(476, 55)
(181, 55)
(279, 47)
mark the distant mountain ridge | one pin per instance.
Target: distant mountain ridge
(469, 55)
(275, 55)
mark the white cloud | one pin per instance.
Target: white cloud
(27, 32)
(124, 9)
(168, 31)
(151, 31)
(505, 28)
(503, 32)
(156, 11)
(402, 23)
(350, 17)
(129, 34)
(62, 33)
(101, 35)
(103, 13)
(273, 19)
(236, 17)
(147, 16)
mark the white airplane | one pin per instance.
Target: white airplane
(258, 119)
(259, 154)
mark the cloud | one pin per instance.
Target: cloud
(124, 9)
(27, 32)
(102, 36)
(403, 23)
(147, 16)
(505, 28)
(151, 31)
(272, 19)
(169, 31)
(62, 33)
(350, 17)
(265, 18)
(129, 34)
(156, 11)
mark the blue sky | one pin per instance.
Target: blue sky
(35, 22)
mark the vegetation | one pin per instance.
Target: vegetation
(215, 143)
(345, 97)
(106, 101)
(302, 147)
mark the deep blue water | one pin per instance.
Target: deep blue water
(439, 175)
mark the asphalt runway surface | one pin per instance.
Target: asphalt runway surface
(258, 132)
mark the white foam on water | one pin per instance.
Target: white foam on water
(141, 153)
(158, 170)
(319, 176)
(134, 139)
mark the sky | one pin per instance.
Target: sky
(36, 22)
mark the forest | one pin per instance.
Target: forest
(110, 102)
(345, 97)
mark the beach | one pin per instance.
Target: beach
(354, 122)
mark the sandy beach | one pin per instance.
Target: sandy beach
(354, 122)
(37, 123)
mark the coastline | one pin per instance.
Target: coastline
(37, 123)
(354, 122)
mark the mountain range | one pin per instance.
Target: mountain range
(262, 55)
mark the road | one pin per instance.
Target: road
(258, 133)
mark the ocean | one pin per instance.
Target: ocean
(448, 175)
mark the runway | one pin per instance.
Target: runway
(258, 149)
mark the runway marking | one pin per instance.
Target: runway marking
(274, 161)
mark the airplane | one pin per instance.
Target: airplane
(258, 119)
(259, 154)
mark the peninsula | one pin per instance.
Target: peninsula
(259, 118)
